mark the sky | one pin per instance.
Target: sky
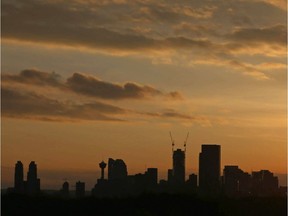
(85, 80)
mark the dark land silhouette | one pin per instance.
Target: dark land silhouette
(145, 204)
(235, 193)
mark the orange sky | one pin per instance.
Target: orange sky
(83, 81)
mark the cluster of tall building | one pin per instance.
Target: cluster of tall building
(118, 181)
(234, 181)
(32, 185)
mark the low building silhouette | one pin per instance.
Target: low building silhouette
(192, 182)
(65, 189)
(151, 177)
(264, 183)
(170, 176)
(80, 189)
(236, 182)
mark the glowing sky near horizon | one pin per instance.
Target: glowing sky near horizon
(83, 81)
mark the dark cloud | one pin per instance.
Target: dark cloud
(32, 76)
(270, 35)
(35, 106)
(172, 114)
(201, 29)
(89, 85)
(79, 24)
(20, 22)
(97, 38)
(92, 86)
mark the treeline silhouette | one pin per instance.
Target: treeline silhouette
(145, 204)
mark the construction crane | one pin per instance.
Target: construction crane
(172, 141)
(186, 142)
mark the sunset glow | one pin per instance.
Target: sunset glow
(83, 81)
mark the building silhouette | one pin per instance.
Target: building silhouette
(192, 181)
(65, 189)
(178, 167)
(19, 178)
(170, 176)
(80, 189)
(236, 182)
(152, 176)
(117, 169)
(141, 182)
(33, 183)
(264, 183)
(209, 169)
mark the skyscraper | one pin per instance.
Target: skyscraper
(178, 166)
(33, 183)
(18, 178)
(117, 169)
(209, 169)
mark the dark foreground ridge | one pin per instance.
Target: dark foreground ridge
(145, 204)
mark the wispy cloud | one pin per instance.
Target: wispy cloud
(39, 107)
(270, 35)
(30, 105)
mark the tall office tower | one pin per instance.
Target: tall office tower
(18, 178)
(33, 183)
(178, 167)
(117, 169)
(80, 189)
(209, 169)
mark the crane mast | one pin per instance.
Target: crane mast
(185, 142)
(172, 141)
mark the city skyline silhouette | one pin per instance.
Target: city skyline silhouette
(85, 81)
(178, 169)
(211, 180)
